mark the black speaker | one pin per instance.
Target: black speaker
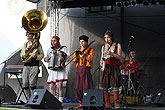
(7, 94)
(160, 98)
(93, 99)
(43, 99)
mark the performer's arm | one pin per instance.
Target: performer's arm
(40, 54)
(101, 59)
(47, 58)
(65, 53)
(75, 58)
(90, 56)
(22, 54)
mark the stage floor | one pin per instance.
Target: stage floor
(71, 106)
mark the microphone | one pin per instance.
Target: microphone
(132, 37)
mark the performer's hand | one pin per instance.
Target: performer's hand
(28, 48)
(67, 59)
(46, 59)
(75, 59)
(34, 55)
(89, 58)
(101, 62)
(108, 52)
(108, 46)
(61, 59)
(85, 52)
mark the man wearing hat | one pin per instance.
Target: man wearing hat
(83, 57)
(31, 68)
(55, 55)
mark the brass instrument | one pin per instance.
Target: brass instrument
(79, 54)
(33, 21)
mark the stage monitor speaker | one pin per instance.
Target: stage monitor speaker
(7, 94)
(93, 99)
(160, 98)
(43, 99)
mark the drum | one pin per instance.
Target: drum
(111, 91)
(54, 63)
(126, 72)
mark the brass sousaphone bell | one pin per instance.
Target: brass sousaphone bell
(33, 21)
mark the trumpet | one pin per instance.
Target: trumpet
(79, 54)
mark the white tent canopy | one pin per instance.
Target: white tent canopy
(14, 59)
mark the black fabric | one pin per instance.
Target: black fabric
(32, 88)
(33, 62)
(26, 88)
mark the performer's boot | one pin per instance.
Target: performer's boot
(61, 99)
(107, 100)
(80, 106)
(116, 99)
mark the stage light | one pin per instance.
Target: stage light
(133, 2)
(126, 3)
(145, 2)
(119, 4)
(161, 2)
(153, 2)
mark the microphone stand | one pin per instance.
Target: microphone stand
(130, 83)
(4, 82)
(135, 81)
(4, 85)
(98, 68)
(124, 85)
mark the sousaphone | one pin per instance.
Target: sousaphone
(33, 21)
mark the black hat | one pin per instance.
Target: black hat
(84, 37)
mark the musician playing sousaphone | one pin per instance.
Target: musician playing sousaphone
(131, 65)
(31, 68)
(56, 54)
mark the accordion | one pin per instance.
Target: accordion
(54, 62)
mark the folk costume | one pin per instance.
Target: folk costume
(31, 69)
(56, 57)
(110, 75)
(56, 75)
(83, 79)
